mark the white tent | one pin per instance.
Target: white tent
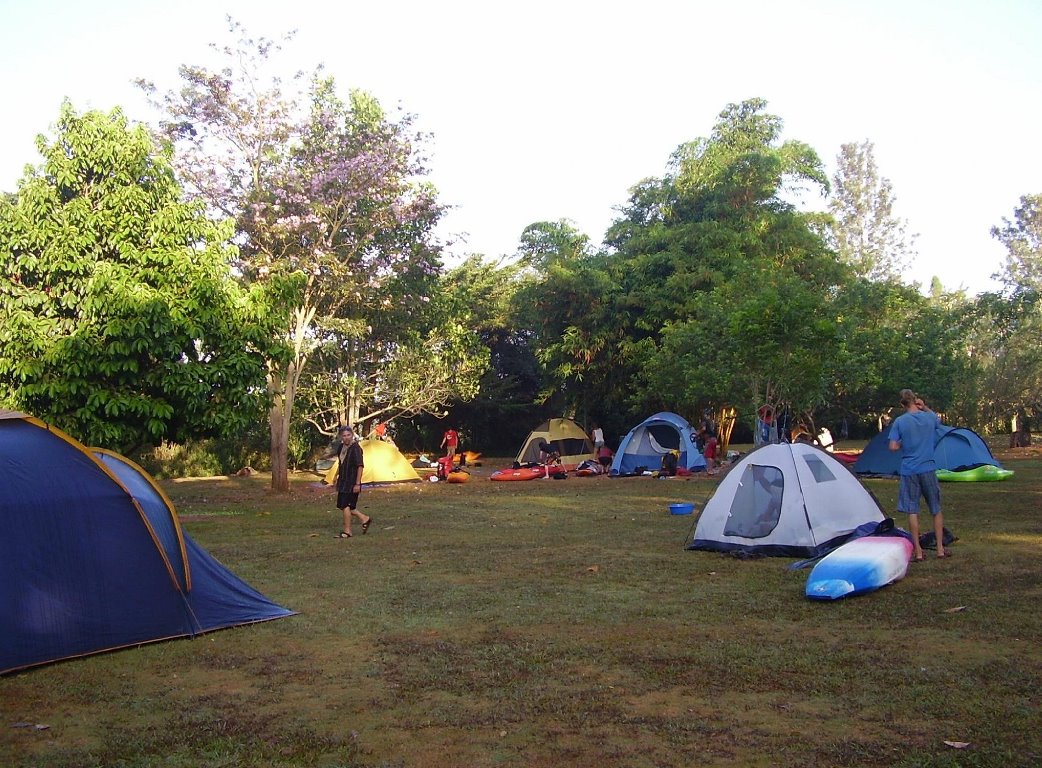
(790, 500)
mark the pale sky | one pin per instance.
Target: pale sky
(553, 109)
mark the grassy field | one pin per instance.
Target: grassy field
(561, 623)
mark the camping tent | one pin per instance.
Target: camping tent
(567, 437)
(384, 463)
(93, 557)
(785, 499)
(955, 448)
(649, 441)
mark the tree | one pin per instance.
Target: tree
(562, 302)
(764, 337)
(890, 337)
(333, 216)
(707, 244)
(545, 243)
(867, 235)
(1023, 240)
(1005, 330)
(231, 129)
(482, 294)
(387, 344)
(120, 320)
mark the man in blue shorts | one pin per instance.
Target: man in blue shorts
(912, 433)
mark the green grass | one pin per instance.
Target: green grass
(555, 623)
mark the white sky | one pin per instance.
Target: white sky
(553, 109)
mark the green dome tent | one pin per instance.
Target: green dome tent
(568, 439)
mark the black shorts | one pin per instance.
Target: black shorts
(605, 461)
(346, 500)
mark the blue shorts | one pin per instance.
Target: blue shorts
(912, 487)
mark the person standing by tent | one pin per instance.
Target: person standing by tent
(709, 454)
(349, 482)
(449, 441)
(598, 438)
(604, 457)
(912, 433)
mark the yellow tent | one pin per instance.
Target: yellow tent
(384, 463)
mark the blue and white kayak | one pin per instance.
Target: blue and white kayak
(861, 565)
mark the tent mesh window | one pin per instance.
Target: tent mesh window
(664, 437)
(757, 503)
(571, 446)
(817, 468)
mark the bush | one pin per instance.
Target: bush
(204, 458)
(171, 460)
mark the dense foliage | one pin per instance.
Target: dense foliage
(713, 290)
(119, 321)
(305, 277)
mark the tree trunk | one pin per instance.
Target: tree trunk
(282, 387)
(279, 422)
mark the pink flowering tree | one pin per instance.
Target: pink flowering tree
(336, 222)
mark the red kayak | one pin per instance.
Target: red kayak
(522, 473)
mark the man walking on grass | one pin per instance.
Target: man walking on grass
(349, 482)
(912, 433)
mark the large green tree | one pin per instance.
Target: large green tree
(119, 318)
(1005, 329)
(563, 301)
(482, 294)
(890, 337)
(712, 242)
(867, 234)
(1022, 237)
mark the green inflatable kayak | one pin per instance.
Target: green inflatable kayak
(985, 473)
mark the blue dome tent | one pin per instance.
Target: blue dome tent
(955, 448)
(93, 557)
(645, 445)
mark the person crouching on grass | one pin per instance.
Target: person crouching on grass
(349, 482)
(912, 433)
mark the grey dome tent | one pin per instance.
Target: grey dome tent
(785, 499)
(93, 557)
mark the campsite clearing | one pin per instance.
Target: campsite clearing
(560, 624)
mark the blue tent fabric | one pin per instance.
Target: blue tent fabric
(955, 449)
(646, 444)
(92, 556)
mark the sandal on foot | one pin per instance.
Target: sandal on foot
(365, 525)
(343, 535)
(944, 554)
(919, 559)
